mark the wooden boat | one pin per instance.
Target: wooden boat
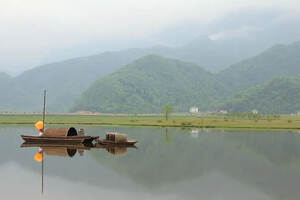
(60, 135)
(57, 135)
(119, 139)
(59, 139)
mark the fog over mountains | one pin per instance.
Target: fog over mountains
(244, 32)
(209, 61)
(146, 83)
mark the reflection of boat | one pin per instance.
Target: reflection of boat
(69, 150)
(113, 138)
(60, 135)
(70, 146)
(115, 149)
(64, 150)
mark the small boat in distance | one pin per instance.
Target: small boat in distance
(114, 138)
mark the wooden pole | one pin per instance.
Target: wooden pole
(44, 115)
(44, 110)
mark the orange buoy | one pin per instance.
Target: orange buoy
(39, 125)
(39, 157)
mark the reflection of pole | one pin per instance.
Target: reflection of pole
(167, 137)
(43, 173)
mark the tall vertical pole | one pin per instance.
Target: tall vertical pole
(44, 115)
(44, 110)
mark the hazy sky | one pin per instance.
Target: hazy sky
(35, 32)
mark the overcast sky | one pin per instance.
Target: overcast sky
(35, 32)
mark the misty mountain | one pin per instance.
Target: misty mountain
(280, 95)
(148, 83)
(215, 55)
(64, 81)
(130, 90)
(279, 60)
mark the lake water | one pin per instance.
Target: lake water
(168, 164)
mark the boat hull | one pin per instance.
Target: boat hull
(59, 140)
(108, 142)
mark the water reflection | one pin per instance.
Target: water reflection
(68, 150)
(169, 164)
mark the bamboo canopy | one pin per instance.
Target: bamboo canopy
(60, 132)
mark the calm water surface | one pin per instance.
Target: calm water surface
(168, 164)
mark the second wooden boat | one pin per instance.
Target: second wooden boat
(113, 138)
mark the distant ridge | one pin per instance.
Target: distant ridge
(121, 91)
(66, 81)
(279, 60)
(148, 83)
(280, 95)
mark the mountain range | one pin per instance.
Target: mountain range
(142, 80)
(149, 82)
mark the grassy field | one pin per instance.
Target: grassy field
(263, 122)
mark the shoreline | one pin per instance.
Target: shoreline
(176, 121)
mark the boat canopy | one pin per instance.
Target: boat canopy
(116, 137)
(60, 132)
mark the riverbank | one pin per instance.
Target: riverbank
(264, 122)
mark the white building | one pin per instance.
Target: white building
(223, 112)
(254, 111)
(194, 109)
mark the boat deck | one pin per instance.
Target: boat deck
(59, 139)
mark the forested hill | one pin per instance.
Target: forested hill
(148, 83)
(280, 95)
(280, 60)
(175, 82)
(64, 81)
